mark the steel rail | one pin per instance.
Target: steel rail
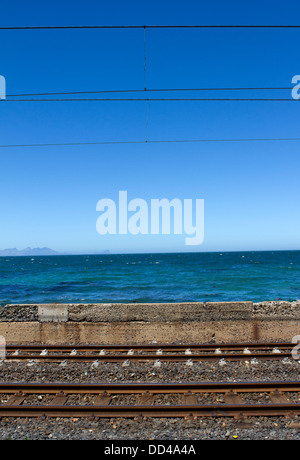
(152, 347)
(154, 388)
(149, 357)
(57, 407)
(209, 410)
(141, 352)
(101, 408)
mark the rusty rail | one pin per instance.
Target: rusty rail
(154, 346)
(163, 352)
(145, 406)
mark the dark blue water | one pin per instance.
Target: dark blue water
(204, 277)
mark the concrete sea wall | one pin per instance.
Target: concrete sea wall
(153, 322)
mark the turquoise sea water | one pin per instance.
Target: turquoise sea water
(192, 277)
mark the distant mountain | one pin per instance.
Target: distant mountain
(13, 252)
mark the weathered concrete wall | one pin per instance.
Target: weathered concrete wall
(148, 312)
(146, 323)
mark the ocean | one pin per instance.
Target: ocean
(182, 277)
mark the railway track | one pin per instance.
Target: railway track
(149, 352)
(196, 399)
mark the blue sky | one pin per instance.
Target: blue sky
(251, 189)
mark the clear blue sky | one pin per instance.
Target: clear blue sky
(251, 190)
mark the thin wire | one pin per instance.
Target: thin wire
(168, 141)
(198, 26)
(145, 86)
(147, 119)
(149, 99)
(146, 90)
(145, 60)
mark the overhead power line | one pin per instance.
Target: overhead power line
(65, 93)
(178, 26)
(167, 141)
(148, 99)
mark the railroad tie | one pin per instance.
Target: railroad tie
(233, 398)
(189, 399)
(59, 399)
(278, 397)
(145, 399)
(16, 399)
(102, 399)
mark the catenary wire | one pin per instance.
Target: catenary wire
(148, 99)
(178, 26)
(158, 141)
(148, 90)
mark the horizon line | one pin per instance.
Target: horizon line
(67, 254)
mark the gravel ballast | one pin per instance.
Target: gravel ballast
(150, 428)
